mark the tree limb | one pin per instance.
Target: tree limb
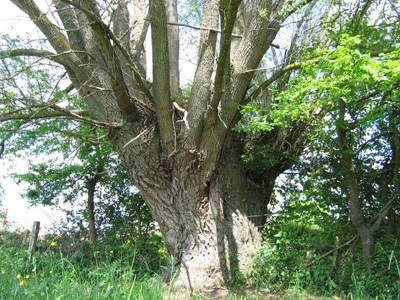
(201, 89)
(228, 16)
(161, 86)
(78, 115)
(53, 34)
(331, 251)
(276, 76)
(203, 28)
(91, 15)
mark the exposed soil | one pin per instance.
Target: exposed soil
(244, 294)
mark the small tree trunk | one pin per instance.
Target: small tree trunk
(395, 145)
(33, 238)
(90, 207)
(385, 192)
(139, 220)
(356, 217)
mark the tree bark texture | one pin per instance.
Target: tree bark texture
(184, 161)
(171, 8)
(91, 210)
(210, 221)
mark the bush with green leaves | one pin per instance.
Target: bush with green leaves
(301, 226)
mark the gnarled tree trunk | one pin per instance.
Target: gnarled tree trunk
(210, 220)
(184, 160)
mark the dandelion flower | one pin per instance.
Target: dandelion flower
(27, 276)
(34, 270)
(128, 241)
(53, 244)
(128, 234)
(82, 238)
(51, 271)
(18, 276)
(21, 283)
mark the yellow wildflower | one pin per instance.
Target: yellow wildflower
(117, 235)
(21, 283)
(22, 230)
(51, 271)
(53, 244)
(18, 276)
(34, 270)
(27, 276)
(128, 234)
(128, 241)
(111, 251)
(82, 238)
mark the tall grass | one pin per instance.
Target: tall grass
(51, 276)
(359, 290)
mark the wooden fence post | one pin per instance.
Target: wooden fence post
(33, 239)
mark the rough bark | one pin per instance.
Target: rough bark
(210, 221)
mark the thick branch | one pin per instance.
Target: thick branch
(119, 87)
(228, 15)
(201, 93)
(53, 34)
(69, 19)
(173, 45)
(383, 212)
(31, 52)
(161, 88)
(104, 31)
(78, 115)
(62, 58)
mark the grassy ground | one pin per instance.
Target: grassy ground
(105, 274)
(60, 279)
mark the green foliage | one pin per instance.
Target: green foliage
(351, 86)
(343, 73)
(302, 225)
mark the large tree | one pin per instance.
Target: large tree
(182, 155)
